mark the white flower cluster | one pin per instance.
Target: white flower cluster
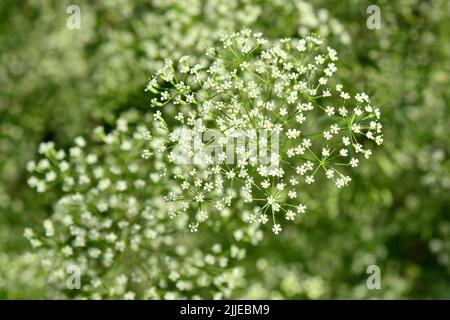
(111, 222)
(178, 27)
(280, 95)
(145, 34)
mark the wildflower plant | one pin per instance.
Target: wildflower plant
(111, 223)
(88, 77)
(256, 95)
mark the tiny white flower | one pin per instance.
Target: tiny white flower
(276, 229)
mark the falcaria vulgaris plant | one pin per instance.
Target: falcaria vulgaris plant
(110, 224)
(257, 123)
(240, 135)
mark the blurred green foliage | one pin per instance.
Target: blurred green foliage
(58, 83)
